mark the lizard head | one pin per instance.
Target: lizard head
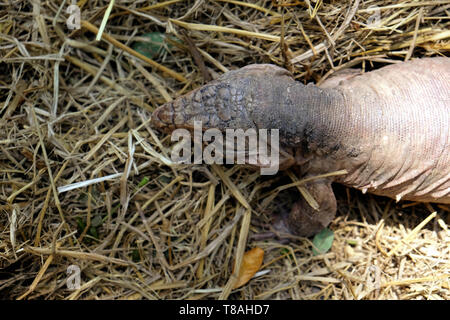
(238, 99)
(248, 98)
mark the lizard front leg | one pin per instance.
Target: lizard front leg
(305, 221)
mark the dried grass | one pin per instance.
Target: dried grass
(75, 112)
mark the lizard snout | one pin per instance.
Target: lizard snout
(162, 118)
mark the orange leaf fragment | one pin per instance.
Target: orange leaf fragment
(251, 262)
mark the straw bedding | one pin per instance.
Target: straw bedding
(75, 112)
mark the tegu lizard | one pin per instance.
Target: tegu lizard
(388, 128)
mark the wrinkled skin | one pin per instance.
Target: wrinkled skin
(389, 129)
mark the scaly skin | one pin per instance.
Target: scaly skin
(388, 128)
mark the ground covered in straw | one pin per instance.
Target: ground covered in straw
(73, 109)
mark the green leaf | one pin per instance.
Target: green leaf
(135, 256)
(80, 223)
(155, 44)
(287, 252)
(143, 182)
(322, 241)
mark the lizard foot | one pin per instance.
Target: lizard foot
(305, 221)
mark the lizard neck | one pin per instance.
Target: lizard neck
(307, 116)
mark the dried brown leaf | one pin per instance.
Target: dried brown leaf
(251, 263)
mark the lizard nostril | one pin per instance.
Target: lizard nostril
(162, 117)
